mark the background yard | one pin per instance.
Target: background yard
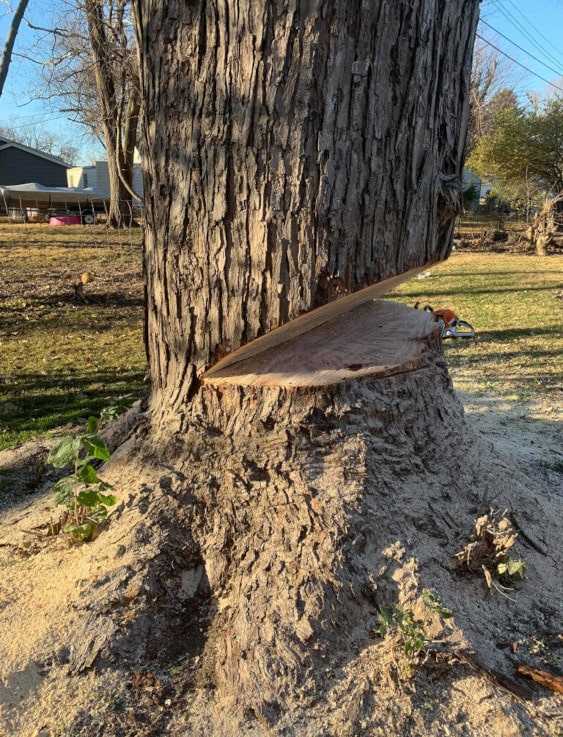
(514, 303)
(63, 359)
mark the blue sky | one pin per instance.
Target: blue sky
(17, 105)
(530, 32)
(536, 26)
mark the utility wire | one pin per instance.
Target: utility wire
(41, 121)
(496, 48)
(535, 58)
(17, 118)
(533, 27)
(520, 28)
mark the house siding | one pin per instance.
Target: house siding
(97, 176)
(82, 176)
(21, 167)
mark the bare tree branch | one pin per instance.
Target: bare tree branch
(53, 31)
(10, 40)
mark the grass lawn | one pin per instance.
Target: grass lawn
(511, 300)
(62, 359)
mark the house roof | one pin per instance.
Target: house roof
(6, 143)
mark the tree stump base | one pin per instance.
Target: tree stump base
(274, 524)
(309, 458)
(304, 487)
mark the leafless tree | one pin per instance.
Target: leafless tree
(488, 77)
(35, 135)
(119, 111)
(89, 69)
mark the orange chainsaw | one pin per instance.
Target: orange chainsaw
(452, 326)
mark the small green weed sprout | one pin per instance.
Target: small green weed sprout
(412, 633)
(510, 568)
(83, 492)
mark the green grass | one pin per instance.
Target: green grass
(63, 360)
(511, 302)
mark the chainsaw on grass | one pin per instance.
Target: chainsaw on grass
(452, 326)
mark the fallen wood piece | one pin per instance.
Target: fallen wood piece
(498, 679)
(555, 683)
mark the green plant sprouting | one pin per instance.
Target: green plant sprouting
(509, 568)
(411, 632)
(83, 492)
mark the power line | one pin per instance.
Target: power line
(535, 58)
(543, 79)
(532, 26)
(8, 122)
(31, 115)
(520, 29)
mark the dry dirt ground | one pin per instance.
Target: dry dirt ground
(466, 687)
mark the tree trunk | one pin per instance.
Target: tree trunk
(10, 41)
(294, 153)
(258, 551)
(295, 447)
(129, 141)
(543, 227)
(118, 151)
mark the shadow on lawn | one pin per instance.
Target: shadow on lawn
(38, 403)
(468, 291)
(95, 240)
(510, 334)
(105, 299)
(470, 274)
(98, 313)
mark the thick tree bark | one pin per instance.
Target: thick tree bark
(543, 227)
(258, 548)
(295, 152)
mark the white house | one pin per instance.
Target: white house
(96, 175)
(482, 186)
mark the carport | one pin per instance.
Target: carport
(19, 199)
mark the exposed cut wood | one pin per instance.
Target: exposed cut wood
(311, 320)
(555, 683)
(375, 339)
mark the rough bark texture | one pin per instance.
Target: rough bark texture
(290, 494)
(251, 554)
(119, 134)
(294, 152)
(545, 226)
(267, 532)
